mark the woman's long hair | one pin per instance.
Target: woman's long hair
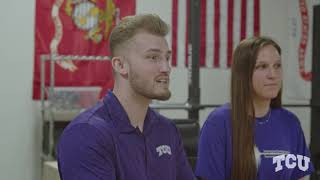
(242, 109)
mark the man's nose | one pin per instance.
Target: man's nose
(165, 66)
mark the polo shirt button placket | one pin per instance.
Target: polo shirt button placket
(145, 154)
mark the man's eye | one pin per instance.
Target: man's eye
(153, 57)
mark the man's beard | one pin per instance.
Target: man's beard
(143, 89)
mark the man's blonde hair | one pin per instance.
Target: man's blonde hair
(131, 25)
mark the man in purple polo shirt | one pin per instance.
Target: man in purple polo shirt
(121, 138)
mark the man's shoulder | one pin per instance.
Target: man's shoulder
(95, 117)
(85, 139)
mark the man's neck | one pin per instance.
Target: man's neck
(135, 106)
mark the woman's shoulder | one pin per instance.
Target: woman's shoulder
(286, 116)
(221, 110)
(220, 116)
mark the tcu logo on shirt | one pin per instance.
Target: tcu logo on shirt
(291, 162)
(163, 149)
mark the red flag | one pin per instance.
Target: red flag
(77, 27)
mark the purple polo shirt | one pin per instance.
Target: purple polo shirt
(277, 135)
(101, 144)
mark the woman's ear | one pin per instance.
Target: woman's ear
(119, 65)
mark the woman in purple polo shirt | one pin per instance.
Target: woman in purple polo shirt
(253, 137)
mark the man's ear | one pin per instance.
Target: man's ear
(119, 65)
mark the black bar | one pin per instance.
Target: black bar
(315, 95)
(194, 37)
(185, 121)
(204, 106)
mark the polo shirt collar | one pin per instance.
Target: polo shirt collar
(120, 117)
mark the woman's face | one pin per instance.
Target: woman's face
(267, 74)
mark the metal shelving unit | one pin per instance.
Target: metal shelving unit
(57, 103)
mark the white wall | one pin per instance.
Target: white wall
(275, 23)
(19, 128)
(20, 142)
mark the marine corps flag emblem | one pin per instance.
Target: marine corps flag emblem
(77, 27)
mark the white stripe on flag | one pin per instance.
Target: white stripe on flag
(236, 23)
(209, 34)
(182, 7)
(223, 33)
(249, 21)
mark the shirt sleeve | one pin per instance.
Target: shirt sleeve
(302, 150)
(183, 168)
(84, 153)
(211, 162)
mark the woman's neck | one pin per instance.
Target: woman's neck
(261, 107)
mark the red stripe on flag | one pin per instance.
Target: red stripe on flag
(243, 19)
(216, 27)
(174, 31)
(187, 34)
(256, 18)
(203, 7)
(230, 32)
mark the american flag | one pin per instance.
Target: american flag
(224, 23)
